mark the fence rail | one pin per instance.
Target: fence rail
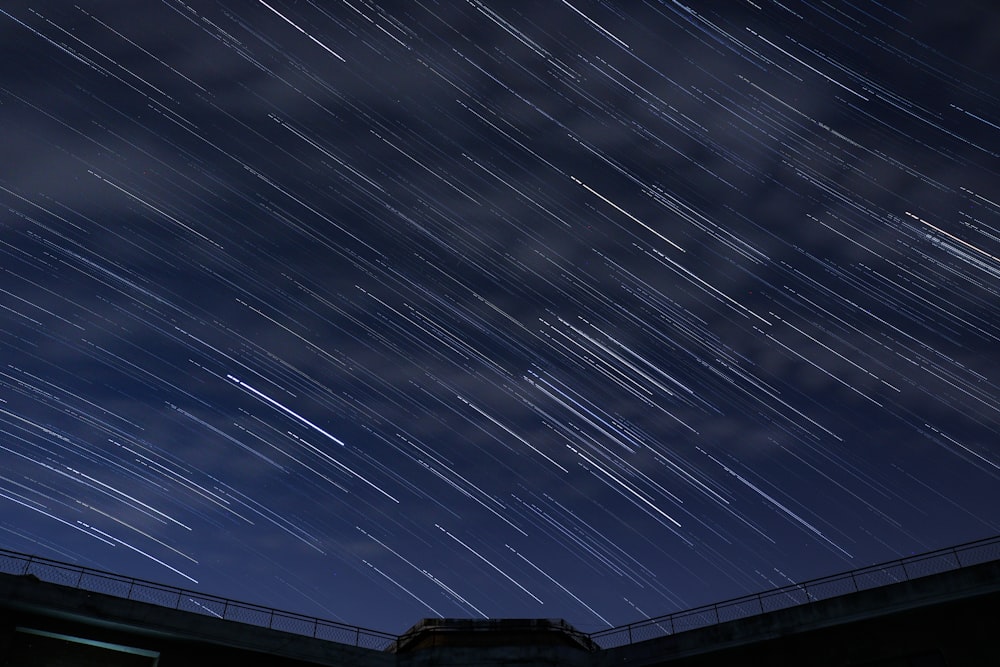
(140, 590)
(872, 576)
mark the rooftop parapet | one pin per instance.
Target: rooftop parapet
(479, 633)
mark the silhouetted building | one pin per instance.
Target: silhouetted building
(949, 616)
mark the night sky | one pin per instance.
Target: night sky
(378, 311)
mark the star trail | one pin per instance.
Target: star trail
(577, 309)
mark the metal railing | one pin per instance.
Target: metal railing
(140, 590)
(873, 576)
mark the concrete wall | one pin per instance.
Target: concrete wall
(182, 638)
(951, 618)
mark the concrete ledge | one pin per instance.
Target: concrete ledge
(977, 587)
(118, 616)
(462, 632)
(948, 618)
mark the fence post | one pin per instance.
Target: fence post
(716, 608)
(672, 630)
(957, 559)
(906, 575)
(225, 609)
(357, 636)
(629, 633)
(760, 601)
(27, 565)
(79, 579)
(270, 621)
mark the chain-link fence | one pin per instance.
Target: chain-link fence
(130, 588)
(873, 576)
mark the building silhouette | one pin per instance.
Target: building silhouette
(939, 608)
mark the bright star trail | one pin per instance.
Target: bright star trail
(566, 309)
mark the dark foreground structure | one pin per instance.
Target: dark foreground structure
(941, 608)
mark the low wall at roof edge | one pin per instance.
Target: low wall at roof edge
(177, 635)
(950, 618)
